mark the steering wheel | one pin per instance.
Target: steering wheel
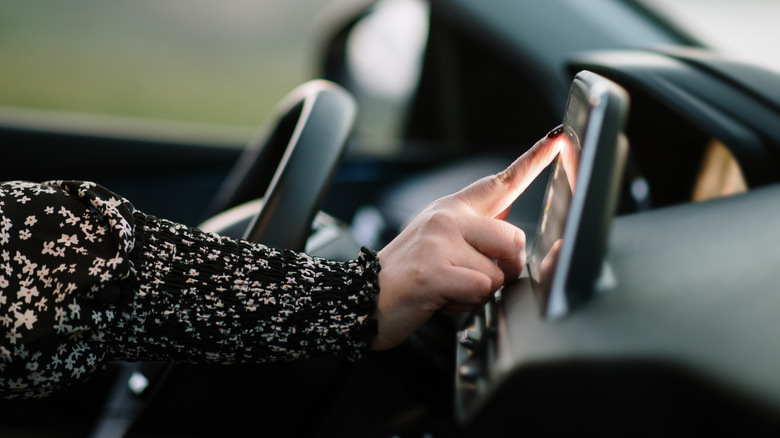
(271, 196)
(289, 167)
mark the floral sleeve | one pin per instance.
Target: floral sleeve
(85, 278)
(198, 297)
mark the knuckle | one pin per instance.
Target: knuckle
(442, 219)
(504, 177)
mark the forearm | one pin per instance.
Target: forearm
(85, 278)
(197, 297)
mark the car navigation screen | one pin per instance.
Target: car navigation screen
(579, 203)
(549, 234)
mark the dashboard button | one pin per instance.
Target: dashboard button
(469, 338)
(470, 370)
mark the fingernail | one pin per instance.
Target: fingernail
(555, 132)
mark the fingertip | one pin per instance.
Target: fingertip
(523, 258)
(548, 146)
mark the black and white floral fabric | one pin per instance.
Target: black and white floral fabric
(85, 279)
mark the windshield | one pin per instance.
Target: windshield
(744, 29)
(229, 62)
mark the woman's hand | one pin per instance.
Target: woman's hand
(457, 251)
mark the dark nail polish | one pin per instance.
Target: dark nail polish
(555, 132)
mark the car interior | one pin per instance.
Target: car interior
(680, 339)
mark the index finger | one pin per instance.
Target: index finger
(494, 194)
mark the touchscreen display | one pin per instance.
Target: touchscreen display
(549, 232)
(570, 241)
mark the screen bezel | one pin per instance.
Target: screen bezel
(599, 107)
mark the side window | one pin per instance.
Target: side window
(225, 62)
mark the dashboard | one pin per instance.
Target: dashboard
(658, 345)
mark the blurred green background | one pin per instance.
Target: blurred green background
(221, 62)
(227, 62)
